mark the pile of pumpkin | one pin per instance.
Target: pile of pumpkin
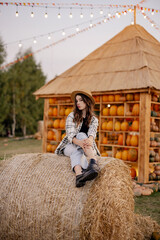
(115, 110)
(154, 156)
(52, 112)
(118, 97)
(131, 140)
(59, 100)
(155, 175)
(154, 142)
(57, 123)
(130, 154)
(121, 126)
(139, 190)
(52, 136)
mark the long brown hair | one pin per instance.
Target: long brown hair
(89, 110)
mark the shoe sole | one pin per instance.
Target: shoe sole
(90, 176)
(80, 184)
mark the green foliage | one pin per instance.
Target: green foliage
(23, 79)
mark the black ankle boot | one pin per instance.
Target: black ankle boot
(79, 183)
(91, 172)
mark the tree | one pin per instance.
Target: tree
(25, 77)
(4, 97)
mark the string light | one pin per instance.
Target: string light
(91, 15)
(20, 44)
(49, 36)
(101, 11)
(46, 15)
(125, 12)
(142, 10)
(70, 15)
(130, 10)
(116, 13)
(152, 24)
(152, 12)
(34, 41)
(59, 15)
(145, 16)
(105, 20)
(109, 14)
(17, 14)
(132, 23)
(81, 15)
(91, 25)
(77, 29)
(63, 33)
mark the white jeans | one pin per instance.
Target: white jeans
(76, 153)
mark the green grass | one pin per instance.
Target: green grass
(145, 205)
(149, 206)
(10, 147)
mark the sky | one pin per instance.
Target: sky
(58, 58)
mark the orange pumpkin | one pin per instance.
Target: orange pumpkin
(135, 110)
(132, 155)
(50, 135)
(54, 136)
(120, 139)
(120, 110)
(113, 110)
(52, 100)
(129, 97)
(62, 123)
(67, 111)
(128, 140)
(50, 111)
(62, 112)
(117, 126)
(110, 126)
(135, 125)
(124, 126)
(49, 147)
(97, 98)
(56, 123)
(104, 140)
(134, 140)
(105, 112)
(111, 98)
(104, 126)
(133, 173)
(50, 124)
(125, 155)
(136, 96)
(117, 97)
(105, 98)
(156, 107)
(118, 155)
(55, 111)
(53, 148)
(104, 154)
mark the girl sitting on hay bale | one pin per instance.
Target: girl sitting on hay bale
(81, 129)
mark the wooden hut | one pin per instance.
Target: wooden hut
(124, 77)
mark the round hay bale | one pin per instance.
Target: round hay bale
(39, 200)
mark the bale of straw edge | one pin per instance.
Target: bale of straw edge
(39, 200)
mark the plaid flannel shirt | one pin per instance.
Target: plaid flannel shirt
(72, 130)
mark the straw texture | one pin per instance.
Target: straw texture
(130, 60)
(39, 200)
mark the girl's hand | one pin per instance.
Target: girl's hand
(88, 142)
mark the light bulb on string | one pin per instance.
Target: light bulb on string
(77, 29)
(59, 15)
(17, 14)
(63, 33)
(116, 13)
(109, 14)
(46, 14)
(91, 24)
(132, 22)
(34, 41)
(20, 44)
(49, 36)
(101, 12)
(70, 15)
(130, 10)
(91, 15)
(142, 10)
(145, 16)
(81, 15)
(152, 12)
(125, 12)
(152, 24)
(105, 20)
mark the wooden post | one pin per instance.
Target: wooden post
(134, 14)
(144, 137)
(45, 119)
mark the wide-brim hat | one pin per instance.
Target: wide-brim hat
(85, 92)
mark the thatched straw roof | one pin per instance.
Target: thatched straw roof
(130, 60)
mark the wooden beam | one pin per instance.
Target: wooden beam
(144, 137)
(45, 119)
(134, 14)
